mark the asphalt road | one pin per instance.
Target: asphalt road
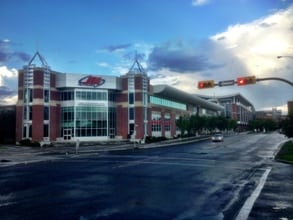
(202, 180)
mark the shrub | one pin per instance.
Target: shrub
(30, 143)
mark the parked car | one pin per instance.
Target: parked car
(217, 137)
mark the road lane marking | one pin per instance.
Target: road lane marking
(247, 207)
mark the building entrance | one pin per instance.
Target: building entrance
(67, 133)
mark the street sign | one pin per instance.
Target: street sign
(226, 83)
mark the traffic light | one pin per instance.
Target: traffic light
(246, 80)
(206, 84)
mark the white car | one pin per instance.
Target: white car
(217, 137)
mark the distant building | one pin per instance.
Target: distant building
(54, 106)
(7, 124)
(274, 114)
(236, 107)
(290, 107)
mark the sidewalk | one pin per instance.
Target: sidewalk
(13, 155)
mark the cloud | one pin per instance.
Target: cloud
(252, 49)
(117, 47)
(103, 64)
(178, 57)
(22, 56)
(6, 73)
(241, 50)
(8, 55)
(7, 96)
(199, 2)
(5, 91)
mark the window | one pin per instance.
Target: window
(46, 96)
(46, 113)
(167, 128)
(90, 121)
(30, 95)
(131, 98)
(167, 103)
(25, 112)
(30, 112)
(46, 130)
(131, 113)
(91, 95)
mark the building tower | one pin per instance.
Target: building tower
(37, 106)
(133, 103)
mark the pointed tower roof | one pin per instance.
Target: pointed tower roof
(41, 59)
(136, 66)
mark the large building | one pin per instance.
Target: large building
(290, 107)
(54, 106)
(274, 114)
(236, 107)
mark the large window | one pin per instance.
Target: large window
(91, 121)
(67, 118)
(167, 103)
(91, 95)
(67, 95)
(156, 123)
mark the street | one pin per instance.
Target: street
(203, 180)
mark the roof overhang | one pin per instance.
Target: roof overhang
(181, 96)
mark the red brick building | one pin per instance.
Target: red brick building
(54, 106)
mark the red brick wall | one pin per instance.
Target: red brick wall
(234, 111)
(122, 121)
(38, 77)
(37, 122)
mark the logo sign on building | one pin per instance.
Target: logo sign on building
(89, 80)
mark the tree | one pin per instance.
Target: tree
(183, 123)
(231, 124)
(287, 126)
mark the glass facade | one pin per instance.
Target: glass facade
(167, 103)
(89, 113)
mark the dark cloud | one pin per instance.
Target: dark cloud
(113, 48)
(7, 54)
(221, 38)
(3, 56)
(22, 56)
(266, 25)
(6, 92)
(179, 59)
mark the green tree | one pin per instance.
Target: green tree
(231, 124)
(287, 126)
(183, 123)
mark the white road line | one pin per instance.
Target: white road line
(246, 208)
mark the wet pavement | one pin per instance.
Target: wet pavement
(276, 199)
(192, 181)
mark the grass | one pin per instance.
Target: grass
(286, 152)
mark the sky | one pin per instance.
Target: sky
(178, 42)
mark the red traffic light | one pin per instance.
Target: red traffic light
(246, 80)
(206, 84)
